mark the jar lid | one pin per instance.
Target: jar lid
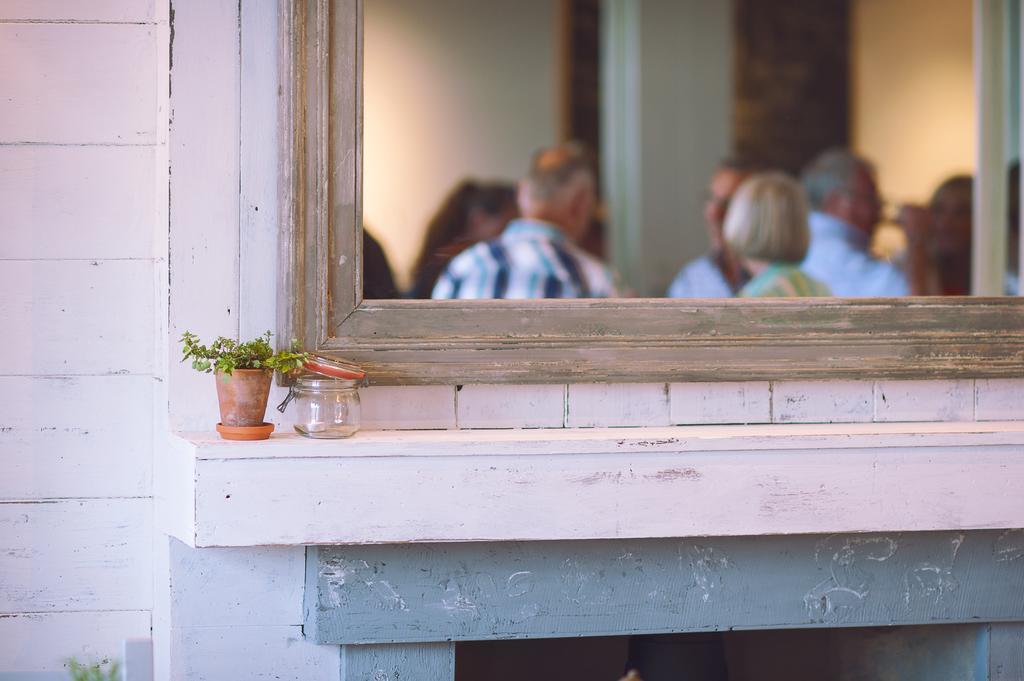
(319, 382)
(334, 368)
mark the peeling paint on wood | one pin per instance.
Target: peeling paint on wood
(105, 74)
(97, 444)
(597, 484)
(85, 635)
(95, 10)
(441, 592)
(108, 189)
(76, 556)
(77, 319)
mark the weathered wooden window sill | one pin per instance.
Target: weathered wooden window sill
(507, 485)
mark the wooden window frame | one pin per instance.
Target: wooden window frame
(562, 341)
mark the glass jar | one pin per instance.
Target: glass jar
(325, 407)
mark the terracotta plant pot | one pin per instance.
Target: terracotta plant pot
(243, 396)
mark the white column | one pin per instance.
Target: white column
(666, 123)
(621, 151)
(989, 252)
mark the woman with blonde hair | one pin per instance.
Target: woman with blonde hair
(766, 227)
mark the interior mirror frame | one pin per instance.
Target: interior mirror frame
(561, 341)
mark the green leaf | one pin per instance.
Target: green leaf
(227, 354)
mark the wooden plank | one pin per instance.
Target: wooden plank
(618, 404)
(1006, 652)
(821, 402)
(174, 491)
(510, 406)
(77, 202)
(103, 73)
(126, 11)
(343, 52)
(659, 340)
(542, 443)
(422, 662)
(83, 635)
(76, 555)
(204, 221)
(271, 652)
(77, 317)
(443, 592)
(651, 484)
(421, 407)
(88, 436)
(924, 400)
(709, 403)
(999, 400)
(258, 201)
(236, 587)
(291, 303)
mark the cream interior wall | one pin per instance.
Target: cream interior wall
(913, 92)
(454, 88)
(83, 184)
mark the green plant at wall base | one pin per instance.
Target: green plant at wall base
(94, 672)
(226, 355)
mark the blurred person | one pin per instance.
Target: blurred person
(766, 228)
(1012, 282)
(950, 240)
(846, 210)
(378, 281)
(716, 274)
(471, 212)
(537, 255)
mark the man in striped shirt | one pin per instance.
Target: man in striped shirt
(536, 256)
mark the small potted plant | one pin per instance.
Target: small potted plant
(94, 672)
(244, 372)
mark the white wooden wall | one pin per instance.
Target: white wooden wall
(83, 185)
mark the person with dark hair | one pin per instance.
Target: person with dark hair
(472, 212)
(537, 256)
(378, 282)
(1012, 285)
(718, 273)
(950, 242)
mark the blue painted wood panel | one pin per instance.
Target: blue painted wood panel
(416, 662)
(440, 592)
(1006, 652)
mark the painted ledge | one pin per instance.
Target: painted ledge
(507, 485)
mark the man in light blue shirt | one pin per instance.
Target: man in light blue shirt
(846, 210)
(717, 273)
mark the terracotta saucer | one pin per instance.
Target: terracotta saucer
(261, 432)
